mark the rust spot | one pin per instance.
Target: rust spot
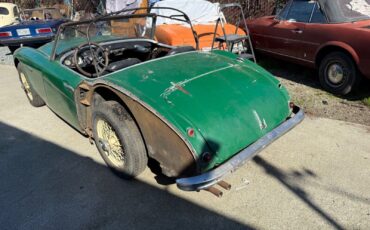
(181, 89)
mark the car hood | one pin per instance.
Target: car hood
(229, 103)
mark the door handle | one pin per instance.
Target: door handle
(297, 31)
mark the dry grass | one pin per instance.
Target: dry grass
(305, 90)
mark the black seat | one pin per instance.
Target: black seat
(114, 66)
(232, 38)
(180, 49)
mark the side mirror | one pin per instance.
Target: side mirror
(276, 21)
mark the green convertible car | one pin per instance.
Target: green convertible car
(200, 115)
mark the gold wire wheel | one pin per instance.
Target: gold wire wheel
(26, 86)
(109, 142)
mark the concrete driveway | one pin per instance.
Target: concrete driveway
(315, 177)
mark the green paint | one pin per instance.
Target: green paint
(225, 100)
(230, 103)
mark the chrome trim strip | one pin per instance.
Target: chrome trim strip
(287, 39)
(284, 55)
(210, 178)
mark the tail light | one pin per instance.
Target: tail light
(190, 132)
(44, 30)
(5, 34)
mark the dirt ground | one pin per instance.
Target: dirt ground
(304, 87)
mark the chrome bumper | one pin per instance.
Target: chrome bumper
(210, 178)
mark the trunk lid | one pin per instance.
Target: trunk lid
(229, 103)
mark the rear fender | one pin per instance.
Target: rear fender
(163, 143)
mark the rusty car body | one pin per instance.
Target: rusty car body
(201, 115)
(331, 35)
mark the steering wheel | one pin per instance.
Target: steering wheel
(89, 56)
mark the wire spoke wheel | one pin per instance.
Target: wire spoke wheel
(118, 139)
(26, 86)
(110, 143)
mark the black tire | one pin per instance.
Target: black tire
(13, 48)
(32, 96)
(130, 141)
(351, 77)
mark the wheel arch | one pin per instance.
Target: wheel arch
(16, 62)
(159, 137)
(335, 47)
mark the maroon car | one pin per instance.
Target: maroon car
(331, 35)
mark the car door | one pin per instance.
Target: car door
(60, 84)
(286, 32)
(314, 34)
(53, 83)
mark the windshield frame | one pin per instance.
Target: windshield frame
(119, 15)
(326, 7)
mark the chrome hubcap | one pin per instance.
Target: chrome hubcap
(26, 86)
(335, 73)
(109, 142)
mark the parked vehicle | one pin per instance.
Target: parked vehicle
(9, 14)
(37, 27)
(200, 114)
(330, 35)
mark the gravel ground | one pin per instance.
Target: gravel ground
(5, 57)
(304, 87)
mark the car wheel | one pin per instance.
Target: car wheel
(13, 48)
(119, 140)
(31, 94)
(338, 73)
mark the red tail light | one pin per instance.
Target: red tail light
(5, 34)
(190, 132)
(43, 30)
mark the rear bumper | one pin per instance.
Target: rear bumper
(26, 40)
(210, 178)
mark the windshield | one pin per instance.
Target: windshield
(104, 30)
(42, 14)
(346, 10)
(113, 27)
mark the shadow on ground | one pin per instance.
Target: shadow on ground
(306, 76)
(283, 178)
(43, 185)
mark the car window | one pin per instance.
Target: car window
(4, 11)
(300, 11)
(284, 12)
(15, 12)
(317, 15)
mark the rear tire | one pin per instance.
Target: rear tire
(119, 140)
(13, 48)
(32, 96)
(338, 73)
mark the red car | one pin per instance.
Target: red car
(331, 35)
